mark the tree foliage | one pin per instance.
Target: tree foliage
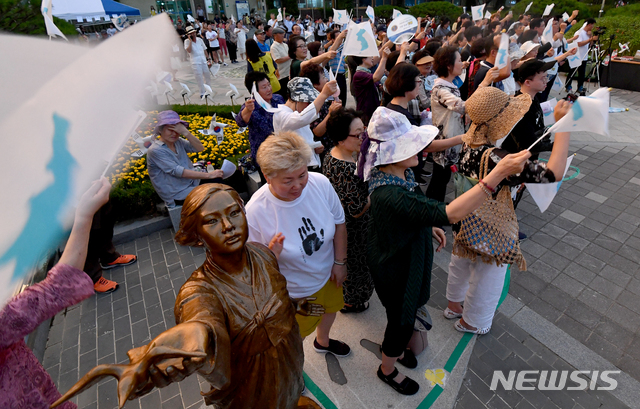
(386, 11)
(626, 28)
(560, 7)
(24, 17)
(436, 9)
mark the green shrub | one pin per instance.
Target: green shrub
(222, 111)
(625, 27)
(560, 7)
(387, 11)
(24, 17)
(630, 10)
(133, 201)
(436, 9)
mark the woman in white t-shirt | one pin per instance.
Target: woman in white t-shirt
(241, 32)
(214, 45)
(299, 216)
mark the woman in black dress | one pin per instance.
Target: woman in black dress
(345, 128)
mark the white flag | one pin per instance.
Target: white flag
(371, 14)
(528, 7)
(47, 13)
(589, 114)
(260, 101)
(502, 58)
(395, 14)
(360, 41)
(279, 18)
(547, 34)
(340, 17)
(487, 15)
(623, 47)
(68, 141)
(477, 12)
(557, 84)
(574, 61)
(120, 22)
(547, 10)
(547, 111)
(543, 193)
(565, 16)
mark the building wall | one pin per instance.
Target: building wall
(226, 6)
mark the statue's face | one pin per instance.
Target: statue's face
(222, 224)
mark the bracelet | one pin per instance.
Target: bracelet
(337, 263)
(492, 190)
(485, 188)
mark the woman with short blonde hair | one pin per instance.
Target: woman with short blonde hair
(284, 152)
(299, 216)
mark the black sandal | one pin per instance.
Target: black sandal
(355, 308)
(409, 360)
(407, 387)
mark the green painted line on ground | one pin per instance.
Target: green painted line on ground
(435, 392)
(459, 349)
(317, 392)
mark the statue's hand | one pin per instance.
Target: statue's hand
(170, 357)
(190, 337)
(307, 308)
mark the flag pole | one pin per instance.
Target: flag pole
(539, 139)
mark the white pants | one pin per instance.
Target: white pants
(201, 71)
(479, 285)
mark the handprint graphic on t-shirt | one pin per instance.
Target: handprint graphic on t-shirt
(310, 240)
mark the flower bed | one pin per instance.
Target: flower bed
(133, 195)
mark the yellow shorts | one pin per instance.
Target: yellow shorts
(330, 298)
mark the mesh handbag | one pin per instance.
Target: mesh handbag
(491, 231)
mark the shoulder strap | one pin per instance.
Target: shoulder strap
(484, 163)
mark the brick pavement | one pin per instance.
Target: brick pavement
(103, 328)
(583, 276)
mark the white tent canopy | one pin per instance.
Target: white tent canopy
(90, 10)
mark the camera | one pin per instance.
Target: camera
(571, 97)
(598, 31)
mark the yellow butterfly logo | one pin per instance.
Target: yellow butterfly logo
(435, 376)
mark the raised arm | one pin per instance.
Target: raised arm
(65, 285)
(384, 54)
(474, 197)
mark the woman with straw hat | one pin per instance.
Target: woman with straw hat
(486, 241)
(400, 249)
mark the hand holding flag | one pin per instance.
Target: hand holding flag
(589, 114)
(502, 58)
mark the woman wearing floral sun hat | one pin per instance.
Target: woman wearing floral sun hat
(400, 249)
(486, 241)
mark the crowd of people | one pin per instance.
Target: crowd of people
(347, 204)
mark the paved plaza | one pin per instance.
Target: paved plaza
(576, 308)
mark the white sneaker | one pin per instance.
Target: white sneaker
(225, 64)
